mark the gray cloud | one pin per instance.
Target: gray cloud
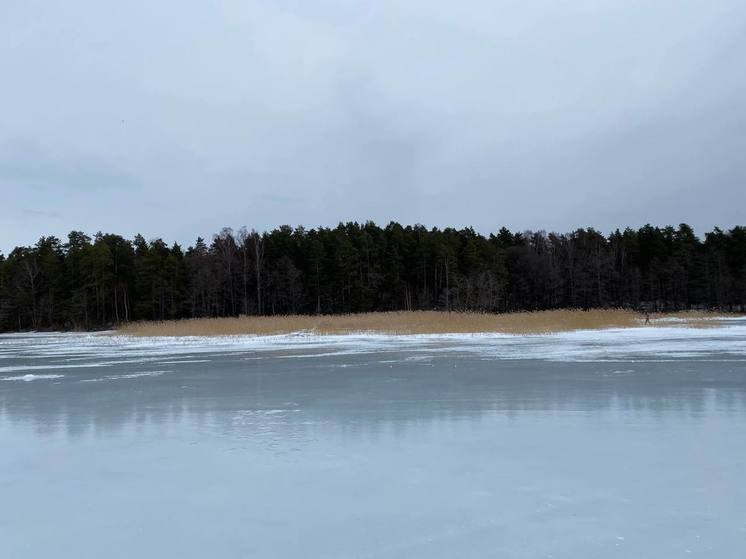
(176, 120)
(40, 213)
(26, 165)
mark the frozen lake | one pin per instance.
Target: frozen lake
(621, 443)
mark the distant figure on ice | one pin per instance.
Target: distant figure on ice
(647, 317)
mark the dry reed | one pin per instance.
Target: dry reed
(417, 322)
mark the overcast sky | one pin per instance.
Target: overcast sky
(175, 119)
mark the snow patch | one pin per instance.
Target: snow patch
(30, 377)
(726, 340)
(128, 376)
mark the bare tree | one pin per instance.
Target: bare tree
(257, 243)
(243, 240)
(225, 245)
(31, 266)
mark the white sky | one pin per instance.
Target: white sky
(175, 119)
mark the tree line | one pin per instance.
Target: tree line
(94, 282)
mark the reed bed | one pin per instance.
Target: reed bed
(415, 322)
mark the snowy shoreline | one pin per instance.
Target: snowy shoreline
(50, 353)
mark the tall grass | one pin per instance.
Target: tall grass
(417, 322)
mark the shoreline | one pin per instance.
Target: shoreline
(422, 322)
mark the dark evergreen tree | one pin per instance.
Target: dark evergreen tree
(101, 281)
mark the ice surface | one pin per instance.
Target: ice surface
(616, 444)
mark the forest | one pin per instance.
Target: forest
(97, 282)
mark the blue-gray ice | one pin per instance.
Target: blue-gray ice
(621, 443)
